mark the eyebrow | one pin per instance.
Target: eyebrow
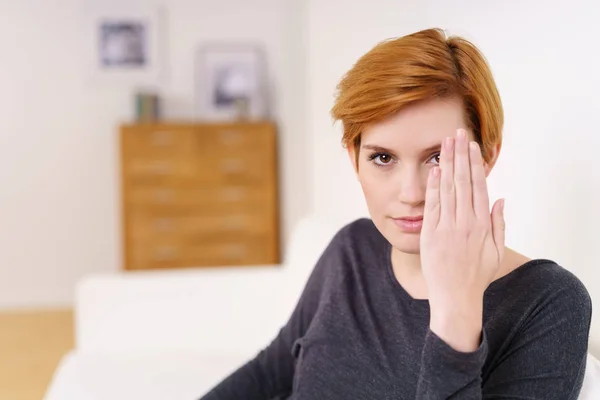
(430, 149)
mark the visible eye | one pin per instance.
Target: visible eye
(381, 159)
(436, 157)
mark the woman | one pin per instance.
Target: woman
(423, 300)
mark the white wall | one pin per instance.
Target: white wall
(545, 62)
(59, 198)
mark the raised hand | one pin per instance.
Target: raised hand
(462, 243)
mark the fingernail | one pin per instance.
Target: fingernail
(502, 206)
(461, 134)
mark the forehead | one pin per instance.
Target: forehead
(417, 126)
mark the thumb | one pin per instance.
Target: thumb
(499, 226)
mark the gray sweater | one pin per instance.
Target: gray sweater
(357, 334)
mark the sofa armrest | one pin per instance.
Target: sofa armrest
(147, 375)
(201, 309)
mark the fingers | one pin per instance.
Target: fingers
(463, 192)
(462, 180)
(447, 189)
(481, 201)
(431, 215)
(499, 227)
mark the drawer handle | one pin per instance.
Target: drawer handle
(166, 253)
(233, 251)
(163, 168)
(230, 138)
(232, 166)
(161, 138)
(163, 224)
(233, 194)
(234, 222)
(163, 196)
(156, 168)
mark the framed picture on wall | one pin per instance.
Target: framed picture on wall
(230, 82)
(122, 44)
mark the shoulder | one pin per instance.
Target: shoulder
(565, 286)
(548, 277)
(356, 243)
(544, 287)
(538, 320)
(358, 236)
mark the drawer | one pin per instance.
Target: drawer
(209, 198)
(149, 225)
(164, 253)
(248, 168)
(156, 140)
(147, 170)
(174, 253)
(234, 251)
(236, 139)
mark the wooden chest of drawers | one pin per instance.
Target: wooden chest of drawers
(199, 195)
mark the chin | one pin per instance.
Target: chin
(406, 243)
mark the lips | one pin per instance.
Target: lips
(409, 224)
(420, 217)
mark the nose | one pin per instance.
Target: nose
(412, 184)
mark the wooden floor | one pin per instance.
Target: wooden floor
(31, 346)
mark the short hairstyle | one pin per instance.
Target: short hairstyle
(420, 66)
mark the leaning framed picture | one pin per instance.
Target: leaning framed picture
(122, 44)
(230, 82)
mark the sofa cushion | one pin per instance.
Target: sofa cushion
(139, 375)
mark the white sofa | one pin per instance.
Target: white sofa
(173, 335)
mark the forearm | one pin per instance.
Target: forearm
(259, 379)
(454, 352)
(448, 374)
(242, 384)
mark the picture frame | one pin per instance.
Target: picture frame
(123, 44)
(230, 82)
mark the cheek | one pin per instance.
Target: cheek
(377, 187)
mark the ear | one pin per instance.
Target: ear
(489, 165)
(353, 159)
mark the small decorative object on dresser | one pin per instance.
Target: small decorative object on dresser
(147, 107)
(199, 195)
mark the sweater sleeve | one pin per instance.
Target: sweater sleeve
(269, 376)
(545, 361)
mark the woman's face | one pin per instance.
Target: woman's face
(394, 162)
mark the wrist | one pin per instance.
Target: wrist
(459, 323)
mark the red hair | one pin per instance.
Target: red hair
(420, 66)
